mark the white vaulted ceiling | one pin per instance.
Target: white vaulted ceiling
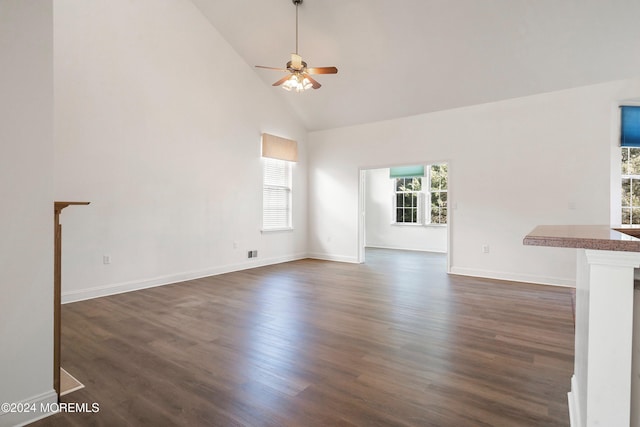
(400, 58)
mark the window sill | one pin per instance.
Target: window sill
(436, 225)
(276, 230)
(400, 224)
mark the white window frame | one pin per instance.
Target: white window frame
(277, 178)
(419, 203)
(424, 201)
(633, 178)
(428, 194)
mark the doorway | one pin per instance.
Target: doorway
(405, 207)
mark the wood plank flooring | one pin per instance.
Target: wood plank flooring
(392, 342)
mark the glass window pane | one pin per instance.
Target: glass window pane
(626, 192)
(436, 177)
(399, 184)
(439, 199)
(635, 216)
(439, 177)
(625, 161)
(399, 216)
(435, 215)
(416, 184)
(399, 199)
(635, 192)
(626, 216)
(409, 200)
(634, 161)
(445, 176)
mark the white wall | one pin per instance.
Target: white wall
(157, 124)
(380, 232)
(543, 159)
(26, 192)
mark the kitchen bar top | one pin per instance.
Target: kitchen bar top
(598, 237)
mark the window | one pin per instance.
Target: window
(407, 206)
(438, 190)
(630, 167)
(419, 186)
(630, 185)
(276, 195)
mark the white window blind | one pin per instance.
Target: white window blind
(276, 194)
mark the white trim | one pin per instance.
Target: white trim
(337, 258)
(420, 200)
(574, 404)
(71, 390)
(135, 285)
(613, 258)
(362, 201)
(514, 277)
(275, 230)
(17, 419)
(395, 248)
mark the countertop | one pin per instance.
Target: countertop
(598, 237)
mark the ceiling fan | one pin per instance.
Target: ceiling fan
(299, 77)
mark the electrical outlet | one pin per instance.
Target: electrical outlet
(485, 249)
(250, 254)
(255, 254)
(106, 259)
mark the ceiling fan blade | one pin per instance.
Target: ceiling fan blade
(271, 68)
(314, 82)
(322, 70)
(282, 80)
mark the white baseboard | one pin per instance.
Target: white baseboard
(35, 405)
(337, 258)
(574, 404)
(119, 288)
(514, 277)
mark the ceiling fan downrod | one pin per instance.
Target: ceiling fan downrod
(296, 3)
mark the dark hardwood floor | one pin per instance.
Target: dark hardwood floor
(393, 342)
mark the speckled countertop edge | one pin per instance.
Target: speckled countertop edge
(597, 237)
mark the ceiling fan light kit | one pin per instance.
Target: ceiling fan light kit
(299, 78)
